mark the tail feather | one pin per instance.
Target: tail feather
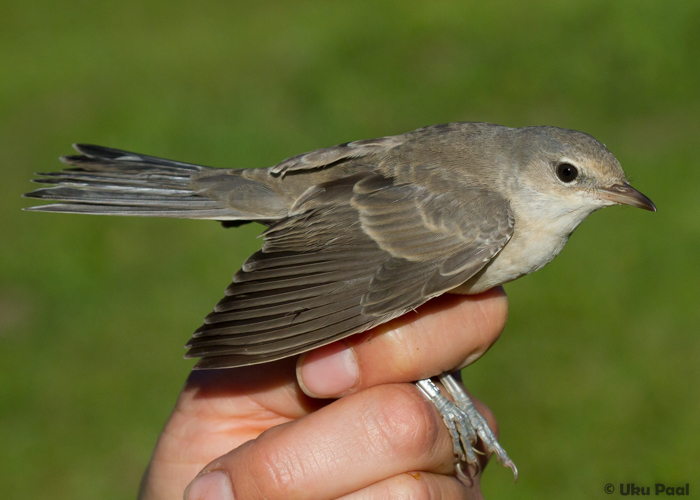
(100, 154)
(71, 178)
(85, 208)
(118, 195)
(114, 182)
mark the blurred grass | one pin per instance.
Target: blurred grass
(595, 379)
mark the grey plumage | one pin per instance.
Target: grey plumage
(362, 232)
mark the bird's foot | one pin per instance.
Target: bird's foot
(464, 423)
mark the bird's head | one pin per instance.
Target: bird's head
(564, 172)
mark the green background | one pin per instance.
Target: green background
(596, 378)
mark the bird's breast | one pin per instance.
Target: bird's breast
(530, 249)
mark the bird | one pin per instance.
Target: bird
(363, 232)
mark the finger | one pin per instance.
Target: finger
(448, 332)
(344, 447)
(419, 485)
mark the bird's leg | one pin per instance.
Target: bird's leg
(464, 422)
(478, 422)
(463, 434)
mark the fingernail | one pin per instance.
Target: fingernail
(328, 371)
(215, 485)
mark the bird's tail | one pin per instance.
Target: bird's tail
(114, 182)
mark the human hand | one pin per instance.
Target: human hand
(263, 437)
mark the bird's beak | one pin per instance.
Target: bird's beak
(625, 194)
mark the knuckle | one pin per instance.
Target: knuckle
(403, 423)
(274, 472)
(495, 310)
(398, 350)
(409, 486)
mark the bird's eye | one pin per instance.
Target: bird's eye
(566, 172)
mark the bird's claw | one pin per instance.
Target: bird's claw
(465, 424)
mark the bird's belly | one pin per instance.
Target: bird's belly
(524, 254)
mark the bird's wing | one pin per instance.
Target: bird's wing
(353, 253)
